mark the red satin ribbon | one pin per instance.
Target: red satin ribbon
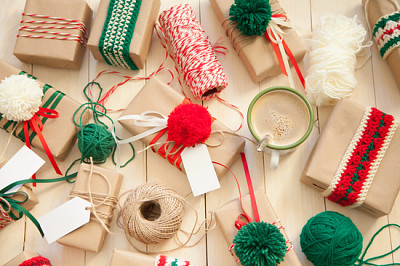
(37, 126)
(279, 56)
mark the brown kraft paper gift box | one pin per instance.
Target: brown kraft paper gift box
(256, 52)
(377, 9)
(141, 38)
(228, 214)
(144, 101)
(91, 236)
(50, 52)
(23, 256)
(330, 148)
(127, 258)
(59, 133)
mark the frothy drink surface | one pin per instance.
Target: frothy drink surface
(281, 114)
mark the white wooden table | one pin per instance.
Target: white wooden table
(293, 202)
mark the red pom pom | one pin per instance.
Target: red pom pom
(36, 261)
(189, 124)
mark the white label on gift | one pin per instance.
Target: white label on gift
(199, 169)
(65, 218)
(21, 166)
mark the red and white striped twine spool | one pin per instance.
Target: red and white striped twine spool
(192, 52)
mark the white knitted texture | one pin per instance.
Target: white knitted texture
(20, 97)
(381, 38)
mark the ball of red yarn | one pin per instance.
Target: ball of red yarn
(189, 124)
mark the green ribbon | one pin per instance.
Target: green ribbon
(15, 204)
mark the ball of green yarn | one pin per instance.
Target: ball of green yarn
(94, 140)
(252, 16)
(259, 244)
(331, 239)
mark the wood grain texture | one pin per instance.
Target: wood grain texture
(294, 202)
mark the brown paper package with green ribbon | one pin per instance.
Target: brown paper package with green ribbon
(143, 29)
(229, 212)
(144, 101)
(22, 257)
(256, 52)
(331, 147)
(91, 236)
(375, 10)
(59, 133)
(53, 52)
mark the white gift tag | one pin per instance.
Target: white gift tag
(199, 169)
(65, 218)
(21, 166)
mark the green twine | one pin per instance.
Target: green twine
(260, 244)
(95, 140)
(252, 16)
(331, 239)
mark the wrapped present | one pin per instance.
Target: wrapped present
(127, 258)
(355, 161)
(256, 52)
(28, 258)
(225, 153)
(59, 133)
(127, 46)
(228, 214)
(91, 236)
(53, 33)
(384, 19)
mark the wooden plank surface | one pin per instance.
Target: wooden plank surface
(293, 202)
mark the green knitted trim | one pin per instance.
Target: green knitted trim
(392, 42)
(175, 262)
(382, 21)
(117, 32)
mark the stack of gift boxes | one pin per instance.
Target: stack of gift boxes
(55, 35)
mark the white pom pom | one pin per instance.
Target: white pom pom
(20, 97)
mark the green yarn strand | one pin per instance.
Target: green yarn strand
(252, 16)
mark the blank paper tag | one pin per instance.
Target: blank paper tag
(65, 218)
(199, 169)
(21, 166)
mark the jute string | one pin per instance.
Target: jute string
(152, 213)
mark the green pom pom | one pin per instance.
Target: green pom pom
(259, 244)
(331, 239)
(95, 141)
(252, 16)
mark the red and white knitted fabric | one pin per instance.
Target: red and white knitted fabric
(162, 260)
(192, 52)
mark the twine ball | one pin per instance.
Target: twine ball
(94, 140)
(331, 239)
(152, 213)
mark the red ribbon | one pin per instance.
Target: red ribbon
(37, 126)
(279, 56)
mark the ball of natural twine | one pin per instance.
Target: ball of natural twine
(152, 213)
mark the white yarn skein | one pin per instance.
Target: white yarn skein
(332, 59)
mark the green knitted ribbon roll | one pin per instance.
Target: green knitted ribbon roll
(51, 103)
(117, 32)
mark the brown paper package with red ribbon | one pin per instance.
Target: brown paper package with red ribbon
(256, 52)
(225, 153)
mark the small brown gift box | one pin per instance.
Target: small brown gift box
(141, 38)
(91, 236)
(228, 214)
(332, 145)
(52, 52)
(144, 101)
(59, 133)
(24, 256)
(127, 258)
(32, 199)
(256, 52)
(377, 9)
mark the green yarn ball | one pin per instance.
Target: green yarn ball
(252, 16)
(331, 239)
(260, 244)
(94, 140)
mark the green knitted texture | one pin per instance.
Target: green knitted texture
(382, 22)
(117, 33)
(260, 244)
(392, 42)
(331, 239)
(252, 16)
